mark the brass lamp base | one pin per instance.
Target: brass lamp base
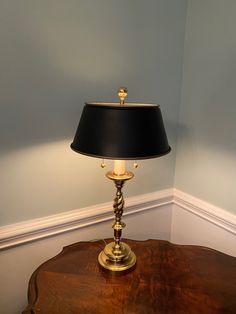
(117, 258)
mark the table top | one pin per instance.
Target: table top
(168, 278)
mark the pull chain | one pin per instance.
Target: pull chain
(135, 164)
(103, 165)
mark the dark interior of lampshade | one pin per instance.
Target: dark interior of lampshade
(132, 131)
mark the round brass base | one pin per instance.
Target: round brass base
(117, 260)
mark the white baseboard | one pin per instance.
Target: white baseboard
(197, 222)
(205, 210)
(30, 230)
(186, 209)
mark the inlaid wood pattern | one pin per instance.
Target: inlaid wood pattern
(168, 278)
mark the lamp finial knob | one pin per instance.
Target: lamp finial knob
(122, 93)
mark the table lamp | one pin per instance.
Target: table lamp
(120, 131)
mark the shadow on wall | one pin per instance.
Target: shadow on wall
(208, 111)
(218, 122)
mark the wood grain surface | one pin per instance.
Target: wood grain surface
(168, 278)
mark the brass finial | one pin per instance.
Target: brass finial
(122, 93)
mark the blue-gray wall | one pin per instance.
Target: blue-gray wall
(206, 158)
(55, 55)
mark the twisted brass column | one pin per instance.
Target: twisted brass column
(118, 206)
(117, 255)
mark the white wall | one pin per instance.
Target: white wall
(206, 163)
(55, 55)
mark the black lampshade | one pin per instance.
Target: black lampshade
(132, 131)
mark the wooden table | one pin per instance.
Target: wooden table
(168, 278)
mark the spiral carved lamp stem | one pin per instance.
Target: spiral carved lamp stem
(117, 255)
(118, 210)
